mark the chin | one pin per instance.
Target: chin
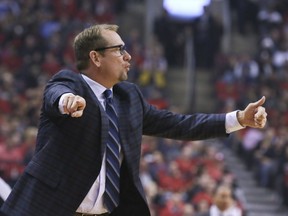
(124, 78)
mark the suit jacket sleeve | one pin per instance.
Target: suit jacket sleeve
(196, 126)
(63, 82)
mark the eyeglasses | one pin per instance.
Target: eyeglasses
(122, 48)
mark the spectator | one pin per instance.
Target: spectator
(250, 142)
(174, 206)
(169, 34)
(154, 68)
(207, 35)
(224, 203)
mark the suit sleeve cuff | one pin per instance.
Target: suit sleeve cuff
(231, 122)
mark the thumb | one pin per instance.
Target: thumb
(260, 102)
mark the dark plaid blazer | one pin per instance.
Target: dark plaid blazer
(1, 201)
(69, 150)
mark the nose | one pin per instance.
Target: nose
(127, 56)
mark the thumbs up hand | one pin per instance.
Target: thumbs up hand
(254, 115)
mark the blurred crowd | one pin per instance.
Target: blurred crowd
(242, 78)
(180, 178)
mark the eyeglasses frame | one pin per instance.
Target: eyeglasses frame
(122, 48)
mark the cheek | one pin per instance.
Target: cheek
(111, 67)
(114, 68)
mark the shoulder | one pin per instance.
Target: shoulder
(65, 76)
(127, 88)
(128, 91)
(65, 80)
(67, 73)
(126, 85)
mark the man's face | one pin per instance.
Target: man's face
(114, 63)
(223, 199)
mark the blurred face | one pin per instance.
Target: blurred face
(114, 61)
(223, 199)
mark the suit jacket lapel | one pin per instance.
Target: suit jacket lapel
(104, 118)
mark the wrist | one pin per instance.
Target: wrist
(240, 118)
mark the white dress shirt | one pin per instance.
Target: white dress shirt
(93, 202)
(232, 211)
(5, 189)
(231, 122)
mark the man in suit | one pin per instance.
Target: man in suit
(67, 175)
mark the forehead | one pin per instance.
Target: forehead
(224, 193)
(112, 37)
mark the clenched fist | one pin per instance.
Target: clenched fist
(73, 105)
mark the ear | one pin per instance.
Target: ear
(94, 57)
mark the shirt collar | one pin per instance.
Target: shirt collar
(96, 87)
